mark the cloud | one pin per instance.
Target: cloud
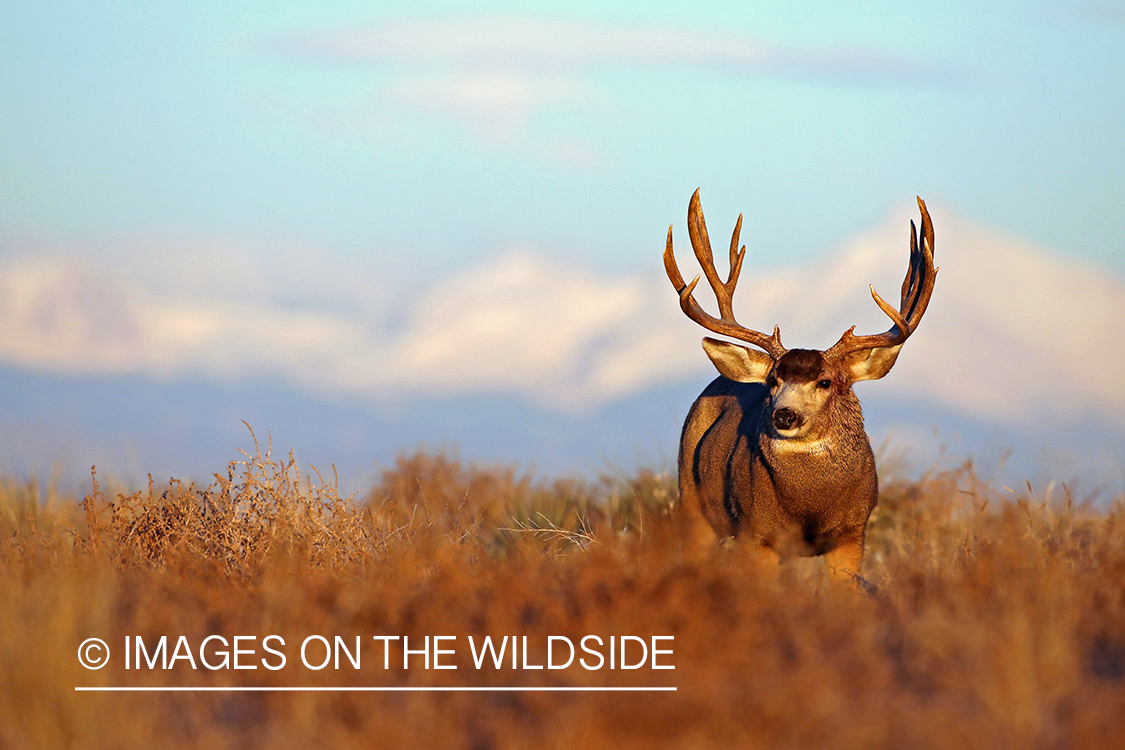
(498, 107)
(497, 78)
(556, 335)
(1013, 334)
(536, 44)
(485, 110)
(517, 324)
(1108, 13)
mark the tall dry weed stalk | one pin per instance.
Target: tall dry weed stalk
(261, 509)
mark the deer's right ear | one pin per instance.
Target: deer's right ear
(738, 362)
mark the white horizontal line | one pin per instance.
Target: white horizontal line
(391, 689)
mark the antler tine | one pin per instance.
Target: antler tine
(701, 244)
(725, 324)
(670, 266)
(917, 287)
(736, 255)
(924, 283)
(909, 281)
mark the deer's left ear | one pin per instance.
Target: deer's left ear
(871, 364)
(738, 362)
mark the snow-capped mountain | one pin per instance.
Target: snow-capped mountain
(1015, 339)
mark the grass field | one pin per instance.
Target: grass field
(997, 619)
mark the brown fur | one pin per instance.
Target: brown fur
(800, 365)
(790, 498)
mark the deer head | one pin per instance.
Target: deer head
(801, 382)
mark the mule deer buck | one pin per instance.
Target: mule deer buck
(774, 451)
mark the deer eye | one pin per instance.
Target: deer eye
(824, 384)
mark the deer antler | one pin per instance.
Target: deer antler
(725, 324)
(916, 290)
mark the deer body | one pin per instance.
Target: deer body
(774, 451)
(792, 499)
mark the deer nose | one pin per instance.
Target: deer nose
(785, 418)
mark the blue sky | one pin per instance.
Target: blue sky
(577, 129)
(361, 225)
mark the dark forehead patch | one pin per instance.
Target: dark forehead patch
(800, 365)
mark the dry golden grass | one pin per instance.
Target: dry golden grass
(996, 624)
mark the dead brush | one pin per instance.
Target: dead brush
(545, 529)
(496, 509)
(261, 509)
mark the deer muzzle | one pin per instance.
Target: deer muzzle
(785, 418)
